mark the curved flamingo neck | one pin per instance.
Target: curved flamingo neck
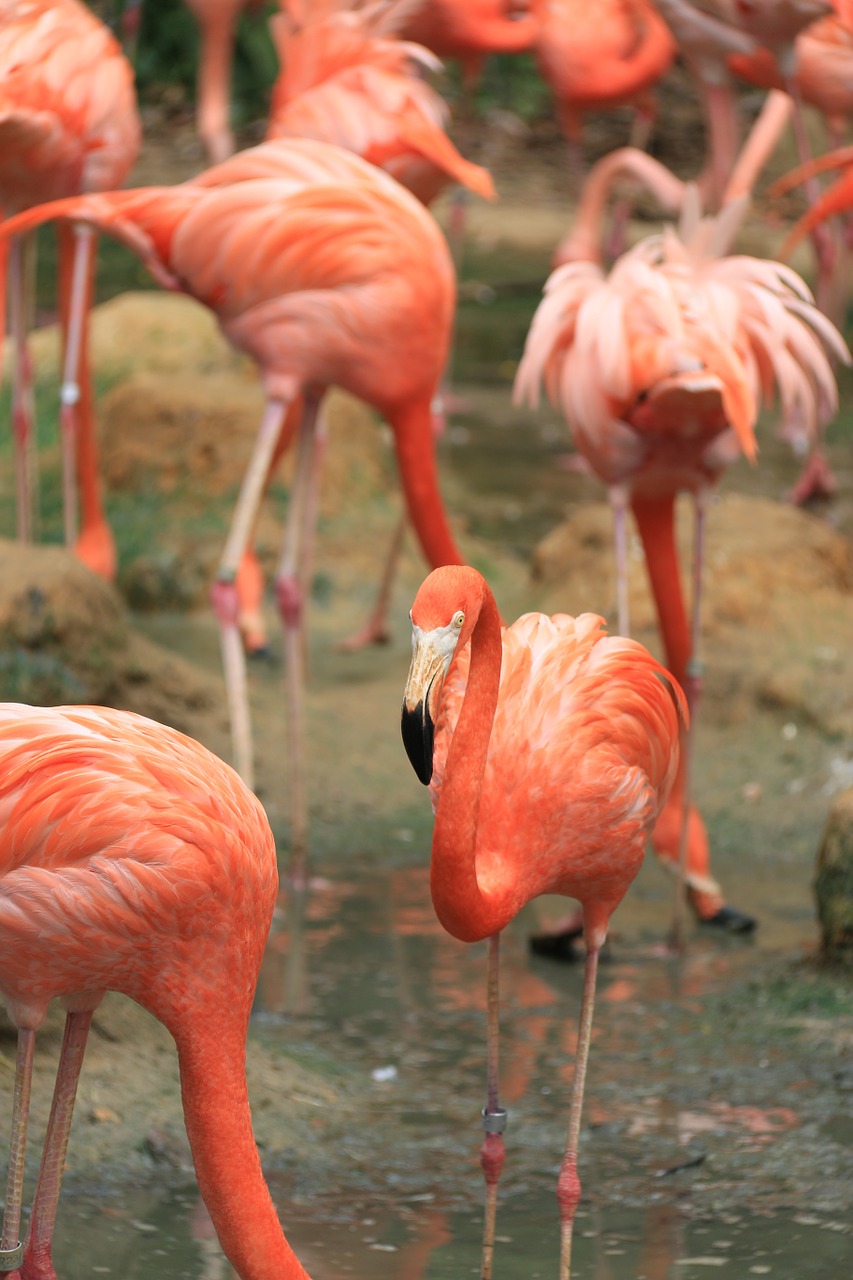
(228, 1168)
(583, 243)
(460, 904)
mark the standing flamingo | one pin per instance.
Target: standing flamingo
(659, 369)
(68, 124)
(596, 57)
(134, 860)
(470, 32)
(549, 749)
(327, 273)
(346, 79)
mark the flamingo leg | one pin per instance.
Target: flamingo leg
(568, 1183)
(291, 588)
(619, 502)
(78, 244)
(693, 693)
(224, 593)
(22, 389)
(494, 1116)
(37, 1249)
(10, 1243)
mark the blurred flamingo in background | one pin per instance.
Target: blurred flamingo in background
(326, 272)
(549, 748)
(345, 79)
(710, 35)
(217, 23)
(68, 124)
(119, 836)
(601, 56)
(470, 32)
(660, 368)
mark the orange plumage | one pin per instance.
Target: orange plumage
(134, 860)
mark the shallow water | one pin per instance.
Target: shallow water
(689, 1146)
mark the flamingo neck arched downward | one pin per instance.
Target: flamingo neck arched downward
(460, 903)
(225, 1155)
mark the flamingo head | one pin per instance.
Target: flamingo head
(443, 617)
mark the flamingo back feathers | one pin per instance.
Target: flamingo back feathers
(123, 841)
(673, 306)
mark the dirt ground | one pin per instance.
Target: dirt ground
(177, 420)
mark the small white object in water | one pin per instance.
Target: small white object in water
(381, 1074)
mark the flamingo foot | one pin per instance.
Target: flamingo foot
(96, 549)
(730, 920)
(815, 481)
(38, 1265)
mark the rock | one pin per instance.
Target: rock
(66, 637)
(833, 883)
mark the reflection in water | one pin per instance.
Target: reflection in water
(359, 972)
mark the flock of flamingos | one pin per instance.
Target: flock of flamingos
(132, 859)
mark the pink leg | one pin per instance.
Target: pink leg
(619, 502)
(693, 693)
(11, 1252)
(494, 1116)
(292, 585)
(38, 1264)
(224, 592)
(83, 260)
(22, 389)
(568, 1183)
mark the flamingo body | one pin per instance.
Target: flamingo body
(134, 860)
(549, 749)
(601, 56)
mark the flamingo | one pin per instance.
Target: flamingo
(601, 56)
(660, 368)
(68, 124)
(471, 31)
(549, 749)
(135, 861)
(711, 33)
(346, 79)
(326, 272)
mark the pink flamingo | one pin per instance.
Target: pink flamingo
(136, 861)
(327, 273)
(68, 124)
(346, 79)
(549, 748)
(660, 368)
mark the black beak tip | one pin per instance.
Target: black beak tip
(417, 730)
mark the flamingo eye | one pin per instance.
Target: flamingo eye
(458, 619)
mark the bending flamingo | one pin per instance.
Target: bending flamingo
(327, 273)
(346, 79)
(549, 749)
(134, 860)
(68, 124)
(660, 368)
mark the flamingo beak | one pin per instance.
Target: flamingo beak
(416, 722)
